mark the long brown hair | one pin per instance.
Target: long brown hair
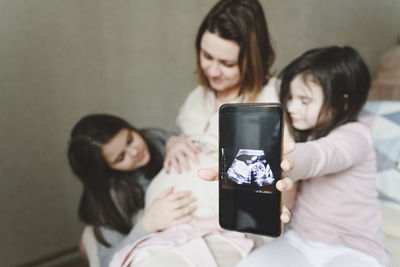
(110, 198)
(345, 81)
(242, 21)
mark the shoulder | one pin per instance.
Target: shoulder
(113, 237)
(272, 86)
(156, 134)
(273, 82)
(200, 101)
(198, 91)
(197, 94)
(156, 138)
(269, 93)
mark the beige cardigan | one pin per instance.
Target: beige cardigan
(198, 119)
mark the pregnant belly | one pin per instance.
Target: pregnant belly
(206, 192)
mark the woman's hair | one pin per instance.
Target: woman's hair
(242, 21)
(110, 197)
(345, 81)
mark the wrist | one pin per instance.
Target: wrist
(146, 224)
(170, 142)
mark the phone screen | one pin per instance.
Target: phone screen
(250, 153)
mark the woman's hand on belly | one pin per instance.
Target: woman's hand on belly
(169, 209)
(179, 149)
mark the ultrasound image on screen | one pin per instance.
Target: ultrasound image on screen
(250, 167)
(250, 148)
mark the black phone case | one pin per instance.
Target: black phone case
(250, 152)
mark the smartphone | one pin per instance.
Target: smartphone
(250, 153)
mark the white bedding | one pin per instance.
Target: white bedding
(185, 245)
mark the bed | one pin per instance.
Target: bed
(382, 114)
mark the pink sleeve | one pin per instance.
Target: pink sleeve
(344, 147)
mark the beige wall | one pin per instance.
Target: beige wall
(62, 59)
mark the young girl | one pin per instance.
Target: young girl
(115, 162)
(336, 220)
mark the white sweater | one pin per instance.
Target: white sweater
(198, 119)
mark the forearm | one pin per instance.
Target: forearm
(338, 151)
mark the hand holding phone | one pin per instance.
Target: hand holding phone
(250, 153)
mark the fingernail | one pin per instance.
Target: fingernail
(283, 186)
(286, 164)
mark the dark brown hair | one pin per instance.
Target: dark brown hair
(345, 81)
(98, 207)
(242, 21)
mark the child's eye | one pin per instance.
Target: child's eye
(305, 101)
(120, 158)
(130, 139)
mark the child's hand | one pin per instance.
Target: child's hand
(178, 149)
(283, 185)
(169, 209)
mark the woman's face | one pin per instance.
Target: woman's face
(219, 61)
(305, 102)
(126, 151)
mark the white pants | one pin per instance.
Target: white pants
(292, 250)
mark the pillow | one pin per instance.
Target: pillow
(386, 83)
(384, 119)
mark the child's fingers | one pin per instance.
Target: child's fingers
(182, 161)
(166, 167)
(179, 195)
(193, 146)
(285, 215)
(167, 163)
(175, 165)
(287, 164)
(166, 192)
(183, 212)
(210, 174)
(288, 147)
(184, 201)
(285, 184)
(191, 153)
